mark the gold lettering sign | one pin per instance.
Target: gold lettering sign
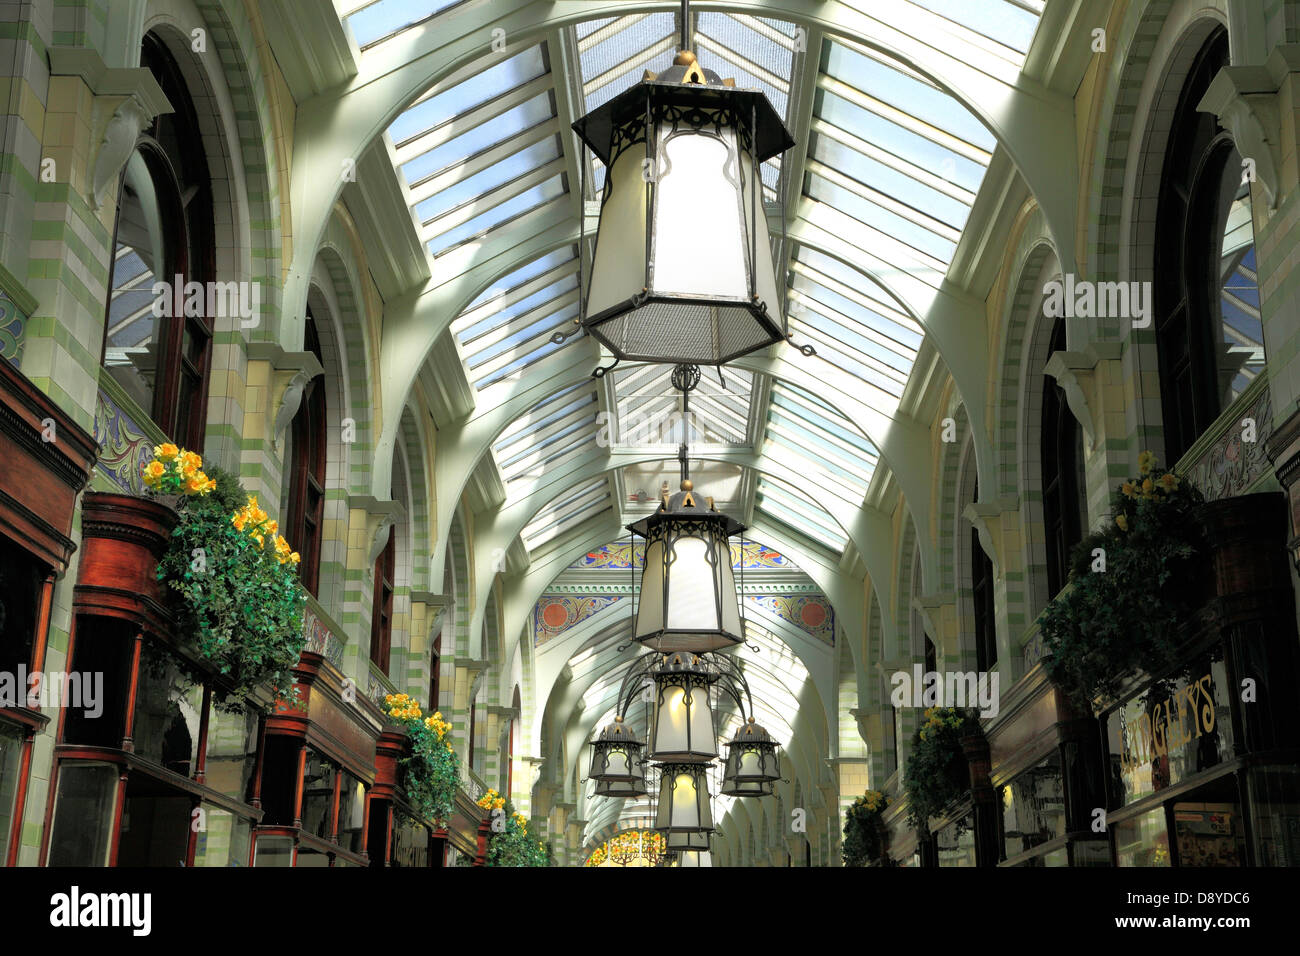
(1168, 725)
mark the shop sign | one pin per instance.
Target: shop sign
(1157, 741)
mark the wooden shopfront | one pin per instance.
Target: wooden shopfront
(47, 460)
(154, 774)
(316, 772)
(1202, 760)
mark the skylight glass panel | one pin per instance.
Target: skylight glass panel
(799, 514)
(478, 89)
(517, 204)
(508, 327)
(568, 511)
(815, 440)
(475, 140)
(499, 174)
(1007, 22)
(372, 22)
(552, 431)
(614, 56)
(649, 408)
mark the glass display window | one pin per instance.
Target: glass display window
(1033, 807)
(1143, 840)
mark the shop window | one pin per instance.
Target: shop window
(320, 779)
(306, 470)
(153, 710)
(83, 814)
(1166, 735)
(1274, 796)
(1206, 300)
(274, 851)
(224, 839)
(21, 579)
(410, 842)
(156, 821)
(955, 843)
(1064, 509)
(1209, 834)
(381, 620)
(1033, 808)
(11, 758)
(163, 230)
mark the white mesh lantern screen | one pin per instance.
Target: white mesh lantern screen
(683, 722)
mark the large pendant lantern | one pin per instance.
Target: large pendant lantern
(753, 766)
(688, 598)
(617, 766)
(683, 264)
(682, 728)
(691, 858)
(683, 814)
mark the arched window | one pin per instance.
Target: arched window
(381, 620)
(306, 471)
(435, 672)
(1208, 331)
(164, 233)
(1063, 481)
(986, 641)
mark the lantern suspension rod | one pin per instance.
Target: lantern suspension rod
(686, 26)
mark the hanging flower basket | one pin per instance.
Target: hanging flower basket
(1134, 586)
(233, 578)
(936, 772)
(865, 836)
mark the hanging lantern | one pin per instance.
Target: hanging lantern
(687, 858)
(688, 599)
(617, 766)
(683, 720)
(753, 766)
(683, 814)
(683, 264)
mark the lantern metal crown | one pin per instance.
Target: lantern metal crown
(682, 270)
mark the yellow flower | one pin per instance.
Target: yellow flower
(166, 451)
(1128, 490)
(153, 471)
(238, 521)
(1148, 486)
(194, 486)
(1146, 461)
(1168, 481)
(1122, 521)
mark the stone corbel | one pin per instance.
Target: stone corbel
(290, 373)
(379, 517)
(930, 607)
(990, 520)
(1076, 373)
(437, 605)
(126, 101)
(1244, 98)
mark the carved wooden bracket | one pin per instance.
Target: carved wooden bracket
(286, 382)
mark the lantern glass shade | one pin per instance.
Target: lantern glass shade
(753, 764)
(683, 268)
(616, 763)
(694, 858)
(688, 598)
(683, 814)
(683, 719)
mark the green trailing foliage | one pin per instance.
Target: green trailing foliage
(432, 771)
(239, 600)
(1133, 586)
(936, 772)
(864, 831)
